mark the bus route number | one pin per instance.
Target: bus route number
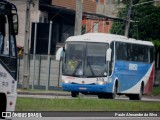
(100, 79)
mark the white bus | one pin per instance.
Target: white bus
(8, 56)
(107, 65)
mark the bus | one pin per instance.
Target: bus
(8, 56)
(107, 65)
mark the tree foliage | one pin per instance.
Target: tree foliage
(145, 23)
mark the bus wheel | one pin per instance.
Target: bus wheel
(102, 96)
(137, 96)
(131, 97)
(3, 104)
(113, 95)
(74, 94)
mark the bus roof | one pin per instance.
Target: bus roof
(106, 38)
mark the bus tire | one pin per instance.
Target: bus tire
(113, 95)
(131, 97)
(3, 104)
(137, 96)
(74, 94)
(102, 95)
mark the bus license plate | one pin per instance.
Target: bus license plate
(82, 88)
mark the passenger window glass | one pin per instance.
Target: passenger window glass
(4, 35)
(121, 52)
(133, 52)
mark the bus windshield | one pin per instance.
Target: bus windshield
(85, 59)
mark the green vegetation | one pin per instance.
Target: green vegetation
(145, 23)
(156, 91)
(80, 104)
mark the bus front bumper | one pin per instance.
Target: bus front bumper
(87, 88)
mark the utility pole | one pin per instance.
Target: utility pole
(78, 17)
(129, 14)
(26, 47)
(128, 19)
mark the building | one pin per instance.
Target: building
(62, 15)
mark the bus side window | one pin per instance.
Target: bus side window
(5, 44)
(146, 54)
(121, 49)
(151, 54)
(1, 43)
(2, 32)
(6, 47)
(12, 46)
(130, 52)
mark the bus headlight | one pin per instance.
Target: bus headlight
(100, 82)
(67, 81)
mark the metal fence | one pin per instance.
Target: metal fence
(44, 72)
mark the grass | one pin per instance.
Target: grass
(156, 91)
(80, 104)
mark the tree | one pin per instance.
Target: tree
(145, 22)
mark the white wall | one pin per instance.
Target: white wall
(21, 7)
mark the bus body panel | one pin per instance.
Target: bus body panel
(130, 73)
(8, 86)
(130, 83)
(149, 84)
(7, 82)
(11, 102)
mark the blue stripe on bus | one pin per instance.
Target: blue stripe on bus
(128, 78)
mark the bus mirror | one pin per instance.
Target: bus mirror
(108, 55)
(59, 53)
(15, 23)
